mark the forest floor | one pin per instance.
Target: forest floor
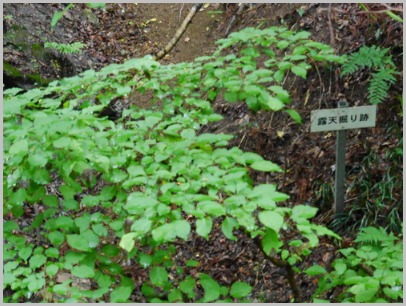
(133, 30)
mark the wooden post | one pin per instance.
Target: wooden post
(339, 190)
(341, 119)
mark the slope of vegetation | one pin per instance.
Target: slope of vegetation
(104, 196)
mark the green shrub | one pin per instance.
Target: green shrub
(371, 271)
(149, 170)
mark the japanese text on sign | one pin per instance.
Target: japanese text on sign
(343, 118)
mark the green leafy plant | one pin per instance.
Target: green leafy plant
(371, 271)
(59, 14)
(65, 48)
(108, 194)
(377, 60)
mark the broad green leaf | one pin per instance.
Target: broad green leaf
(340, 267)
(91, 238)
(19, 147)
(271, 219)
(141, 226)
(315, 270)
(102, 162)
(252, 103)
(203, 227)
(231, 96)
(62, 143)
(9, 226)
(158, 276)
(227, 227)
(175, 296)
(52, 252)
(51, 270)
(147, 290)
(55, 18)
(192, 263)
(83, 222)
(168, 232)
(271, 241)
(41, 176)
(67, 192)
(35, 282)
(284, 65)
(83, 271)
(300, 212)
(212, 208)
(121, 294)
(322, 230)
(211, 288)
(299, 71)
(253, 89)
(294, 115)
(187, 286)
(137, 203)
(127, 241)
(110, 250)
(25, 253)
(19, 196)
(240, 289)
(136, 171)
(104, 281)
(78, 242)
(96, 5)
(365, 292)
(56, 238)
(270, 102)
(37, 261)
(356, 279)
(37, 160)
(117, 175)
(266, 166)
(280, 92)
(392, 293)
(100, 230)
(282, 44)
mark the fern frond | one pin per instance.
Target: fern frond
(370, 57)
(373, 235)
(380, 84)
(377, 60)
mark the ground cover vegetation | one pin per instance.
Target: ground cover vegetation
(130, 189)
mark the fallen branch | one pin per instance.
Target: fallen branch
(195, 8)
(239, 12)
(330, 25)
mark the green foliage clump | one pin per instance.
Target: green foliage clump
(65, 48)
(371, 271)
(377, 60)
(84, 177)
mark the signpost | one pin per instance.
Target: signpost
(341, 119)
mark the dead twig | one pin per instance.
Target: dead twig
(180, 12)
(195, 8)
(330, 26)
(239, 12)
